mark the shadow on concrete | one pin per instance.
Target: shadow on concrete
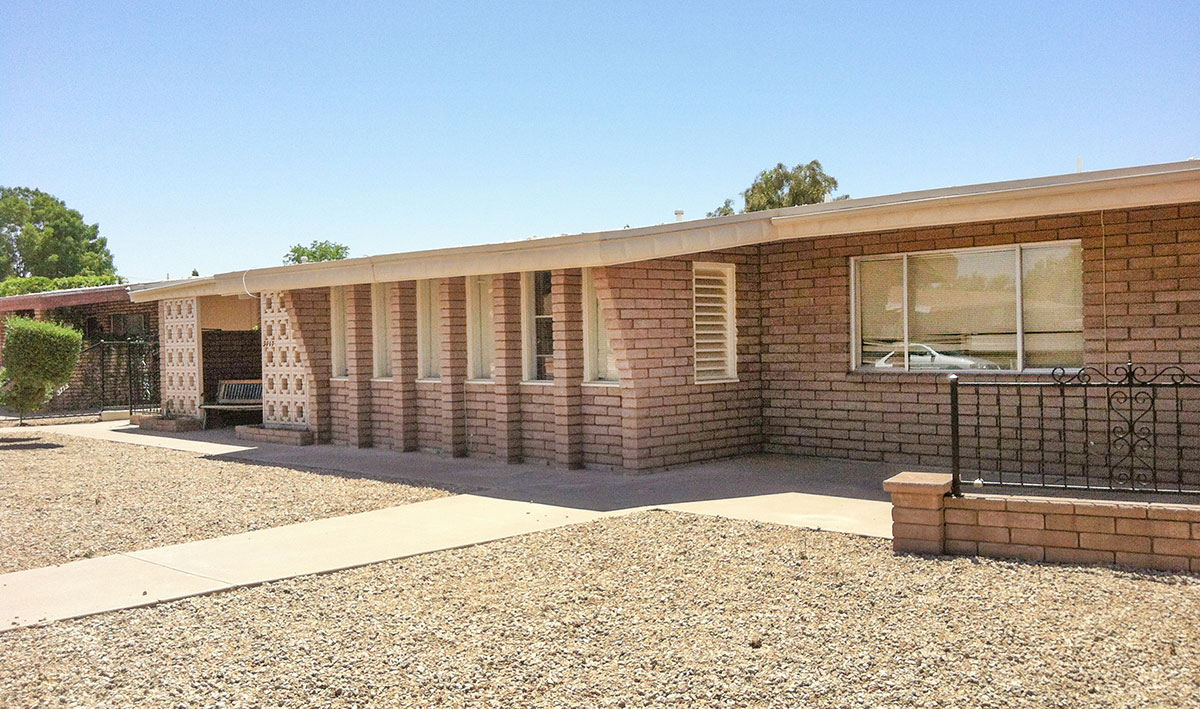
(599, 490)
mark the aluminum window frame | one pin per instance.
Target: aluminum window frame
(856, 365)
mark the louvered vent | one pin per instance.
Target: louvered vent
(715, 332)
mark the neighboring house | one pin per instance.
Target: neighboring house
(103, 313)
(820, 330)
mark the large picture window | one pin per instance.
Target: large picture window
(1010, 308)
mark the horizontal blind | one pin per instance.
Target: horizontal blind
(715, 333)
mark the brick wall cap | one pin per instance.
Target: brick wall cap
(918, 483)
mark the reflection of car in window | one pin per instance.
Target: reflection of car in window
(925, 357)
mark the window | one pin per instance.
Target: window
(1010, 308)
(537, 323)
(128, 324)
(715, 327)
(381, 329)
(481, 328)
(429, 330)
(599, 362)
(337, 329)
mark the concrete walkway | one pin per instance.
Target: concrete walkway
(167, 573)
(496, 500)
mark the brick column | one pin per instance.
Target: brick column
(618, 304)
(404, 365)
(506, 302)
(308, 311)
(568, 367)
(41, 315)
(359, 366)
(454, 366)
(918, 512)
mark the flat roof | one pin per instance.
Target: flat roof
(1057, 194)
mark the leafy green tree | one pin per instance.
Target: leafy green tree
(18, 285)
(40, 236)
(39, 357)
(317, 251)
(780, 186)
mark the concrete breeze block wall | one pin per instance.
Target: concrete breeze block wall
(926, 520)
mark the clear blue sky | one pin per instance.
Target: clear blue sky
(214, 135)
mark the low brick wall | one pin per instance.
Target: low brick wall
(287, 436)
(1150, 535)
(154, 422)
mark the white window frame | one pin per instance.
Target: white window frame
(381, 330)
(477, 368)
(429, 361)
(337, 332)
(529, 331)
(856, 364)
(731, 372)
(593, 328)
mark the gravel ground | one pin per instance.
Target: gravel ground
(8, 421)
(65, 498)
(651, 609)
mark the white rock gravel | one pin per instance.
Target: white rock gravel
(64, 498)
(654, 609)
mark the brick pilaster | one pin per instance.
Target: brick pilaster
(918, 511)
(568, 367)
(404, 365)
(506, 294)
(454, 366)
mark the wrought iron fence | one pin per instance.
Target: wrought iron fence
(111, 375)
(1080, 429)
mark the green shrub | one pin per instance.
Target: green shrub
(39, 357)
(21, 285)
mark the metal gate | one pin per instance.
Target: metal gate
(120, 375)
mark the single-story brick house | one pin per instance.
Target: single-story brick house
(821, 330)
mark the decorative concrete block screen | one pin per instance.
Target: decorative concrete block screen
(182, 364)
(286, 378)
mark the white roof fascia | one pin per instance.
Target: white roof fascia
(1105, 189)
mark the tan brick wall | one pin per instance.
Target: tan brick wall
(794, 392)
(1141, 267)
(1062, 530)
(480, 416)
(668, 418)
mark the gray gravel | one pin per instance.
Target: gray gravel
(647, 610)
(64, 498)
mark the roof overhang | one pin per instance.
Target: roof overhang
(118, 293)
(1080, 192)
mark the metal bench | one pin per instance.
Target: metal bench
(234, 395)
